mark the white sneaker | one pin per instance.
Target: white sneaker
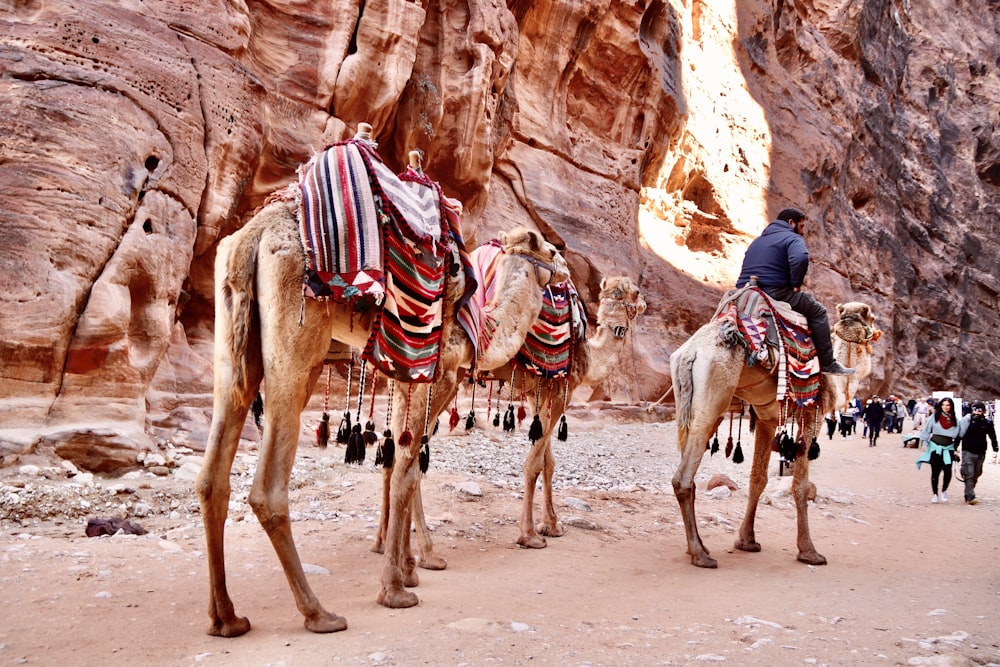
(944, 497)
(934, 498)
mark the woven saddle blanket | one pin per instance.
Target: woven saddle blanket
(370, 233)
(548, 347)
(765, 328)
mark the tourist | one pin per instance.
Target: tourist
(938, 438)
(778, 258)
(920, 413)
(874, 414)
(831, 423)
(973, 431)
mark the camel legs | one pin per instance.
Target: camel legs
(213, 491)
(758, 480)
(800, 491)
(692, 451)
(269, 499)
(539, 461)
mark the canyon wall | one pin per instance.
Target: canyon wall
(648, 138)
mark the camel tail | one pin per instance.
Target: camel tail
(682, 374)
(237, 327)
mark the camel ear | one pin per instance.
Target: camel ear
(869, 315)
(641, 305)
(534, 240)
(502, 237)
(604, 283)
(840, 310)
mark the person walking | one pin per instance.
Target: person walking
(938, 437)
(920, 413)
(874, 414)
(779, 259)
(972, 433)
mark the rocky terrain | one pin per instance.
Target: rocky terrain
(651, 138)
(908, 582)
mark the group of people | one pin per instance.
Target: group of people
(777, 261)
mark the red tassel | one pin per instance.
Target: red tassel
(521, 414)
(453, 420)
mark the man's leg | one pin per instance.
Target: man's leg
(819, 325)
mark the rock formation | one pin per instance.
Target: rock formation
(653, 138)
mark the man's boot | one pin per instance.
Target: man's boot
(824, 349)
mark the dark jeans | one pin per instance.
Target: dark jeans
(937, 467)
(815, 314)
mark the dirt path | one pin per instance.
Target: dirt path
(908, 582)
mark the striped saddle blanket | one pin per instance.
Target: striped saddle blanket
(749, 317)
(370, 233)
(548, 347)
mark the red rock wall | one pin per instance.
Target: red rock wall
(648, 138)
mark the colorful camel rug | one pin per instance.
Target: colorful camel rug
(547, 349)
(747, 317)
(368, 232)
(476, 316)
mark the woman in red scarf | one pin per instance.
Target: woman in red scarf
(938, 438)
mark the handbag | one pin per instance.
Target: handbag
(942, 440)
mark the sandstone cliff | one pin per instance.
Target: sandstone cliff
(646, 137)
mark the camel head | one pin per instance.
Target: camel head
(621, 302)
(856, 324)
(550, 266)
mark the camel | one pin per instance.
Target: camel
(707, 375)
(514, 309)
(265, 331)
(593, 360)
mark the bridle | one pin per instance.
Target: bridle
(869, 331)
(631, 311)
(539, 264)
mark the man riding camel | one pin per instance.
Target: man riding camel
(779, 259)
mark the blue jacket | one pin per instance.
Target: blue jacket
(778, 257)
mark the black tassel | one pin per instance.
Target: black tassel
(370, 436)
(788, 448)
(323, 432)
(344, 432)
(496, 420)
(355, 452)
(386, 454)
(753, 419)
(563, 431)
(738, 454)
(257, 408)
(437, 425)
(453, 419)
(425, 454)
(470, 421)
(813, 450)
(535, 430)
(729, 447)
(715, 445)
(508, 420)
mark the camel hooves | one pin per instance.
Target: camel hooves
(812, 558)
(532, 542)
(411, 579)
(433, 562)
(753, 547)
(397, 599)
(704, 561)
(554, 530)
(377, 548)
(326, 622)
(235, 628)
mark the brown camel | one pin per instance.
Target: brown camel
(593, 361)
(515, 307)
(707, 375)
(266, 331)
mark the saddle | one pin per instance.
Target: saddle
(375, 239)
(772, 334)
(547, 349)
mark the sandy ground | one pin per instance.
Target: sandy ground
(908, 582)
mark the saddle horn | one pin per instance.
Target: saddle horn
(416, 157)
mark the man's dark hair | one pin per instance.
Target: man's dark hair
(791, 215)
